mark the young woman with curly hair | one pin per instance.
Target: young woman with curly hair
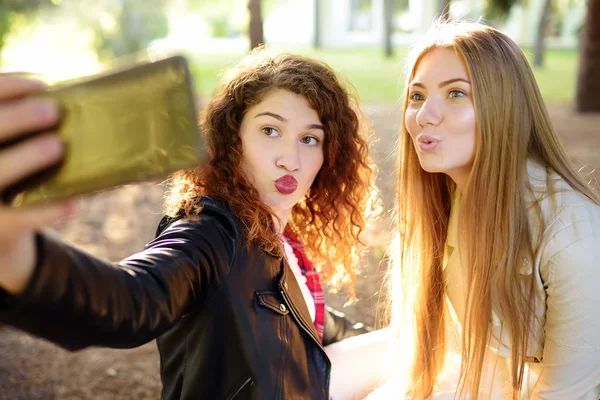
(229, 287)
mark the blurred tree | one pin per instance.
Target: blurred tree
(317, 16)
(498, 8)
(9, 9)
(540, 35)
(121, 27)
(587, 96)
(220, 16)
(138, 22)
(223, 16)
(389, 10)
(255, 29)
(444, 8)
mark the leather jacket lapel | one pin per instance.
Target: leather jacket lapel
(293, 295)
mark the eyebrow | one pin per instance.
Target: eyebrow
(282, 119)
(442, 84)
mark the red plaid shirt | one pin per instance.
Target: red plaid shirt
(312, 278)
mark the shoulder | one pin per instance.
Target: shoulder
(213, 213)
(559, 214)
(565, 227)
(215, 226)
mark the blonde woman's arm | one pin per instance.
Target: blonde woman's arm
(358, 364)
(570, 367)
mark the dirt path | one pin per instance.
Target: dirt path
(34, 369)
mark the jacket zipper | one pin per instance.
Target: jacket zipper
(247, 381)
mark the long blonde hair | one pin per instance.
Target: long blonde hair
(512, 126)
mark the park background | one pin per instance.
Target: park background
(366, 41)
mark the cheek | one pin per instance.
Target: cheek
(464, 130)
(317, 163)
(468, 126)
(410, 121)
(250, 163)
(247, 169)
(465, 119)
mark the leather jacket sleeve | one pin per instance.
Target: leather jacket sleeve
(77, 300)
(338, 327)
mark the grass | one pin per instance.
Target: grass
(378, 79)
(558, 78)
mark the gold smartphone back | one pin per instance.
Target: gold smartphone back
(130, 126)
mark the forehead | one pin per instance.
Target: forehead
(280, 98)
(440, 64)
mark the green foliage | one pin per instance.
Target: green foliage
(229, 17)
(379, 79)
(10, 9)
(498, 9)
(220, 27)
(21, 6)
(364, 5)
(138, 23)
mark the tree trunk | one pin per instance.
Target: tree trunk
(256, 26)
(539, 46)
(388, 17)
(587, 98)
(444, 9)
(317, 16)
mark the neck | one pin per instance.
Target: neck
(459, 177)
(281, 223)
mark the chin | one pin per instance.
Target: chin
(432, 168)
(279, 204)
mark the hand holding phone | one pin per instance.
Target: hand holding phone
(20, 113)
(127, 126)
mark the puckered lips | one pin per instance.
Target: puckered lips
(286, 184)
(427, 143)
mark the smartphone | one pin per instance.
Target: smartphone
(125, 126)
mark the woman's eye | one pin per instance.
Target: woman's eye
(269, 131)
(310, 140)
(416, 97)
(455, 94)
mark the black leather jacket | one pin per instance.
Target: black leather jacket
(230, 322)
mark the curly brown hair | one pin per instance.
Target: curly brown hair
(342, 199)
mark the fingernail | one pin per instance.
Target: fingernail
(37, 84)
(47, 109)
(52, 145)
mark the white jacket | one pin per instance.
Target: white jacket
(565, 345)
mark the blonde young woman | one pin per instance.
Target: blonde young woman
(499, 235)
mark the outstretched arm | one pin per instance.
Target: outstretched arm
(76, 300)
(358, 364)
(63, 294)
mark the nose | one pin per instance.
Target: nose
(429, 113)
(288, 157)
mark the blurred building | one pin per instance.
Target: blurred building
(350, 23)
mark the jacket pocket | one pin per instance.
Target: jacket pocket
(271, 301)
(273, 336)
(242, 391)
